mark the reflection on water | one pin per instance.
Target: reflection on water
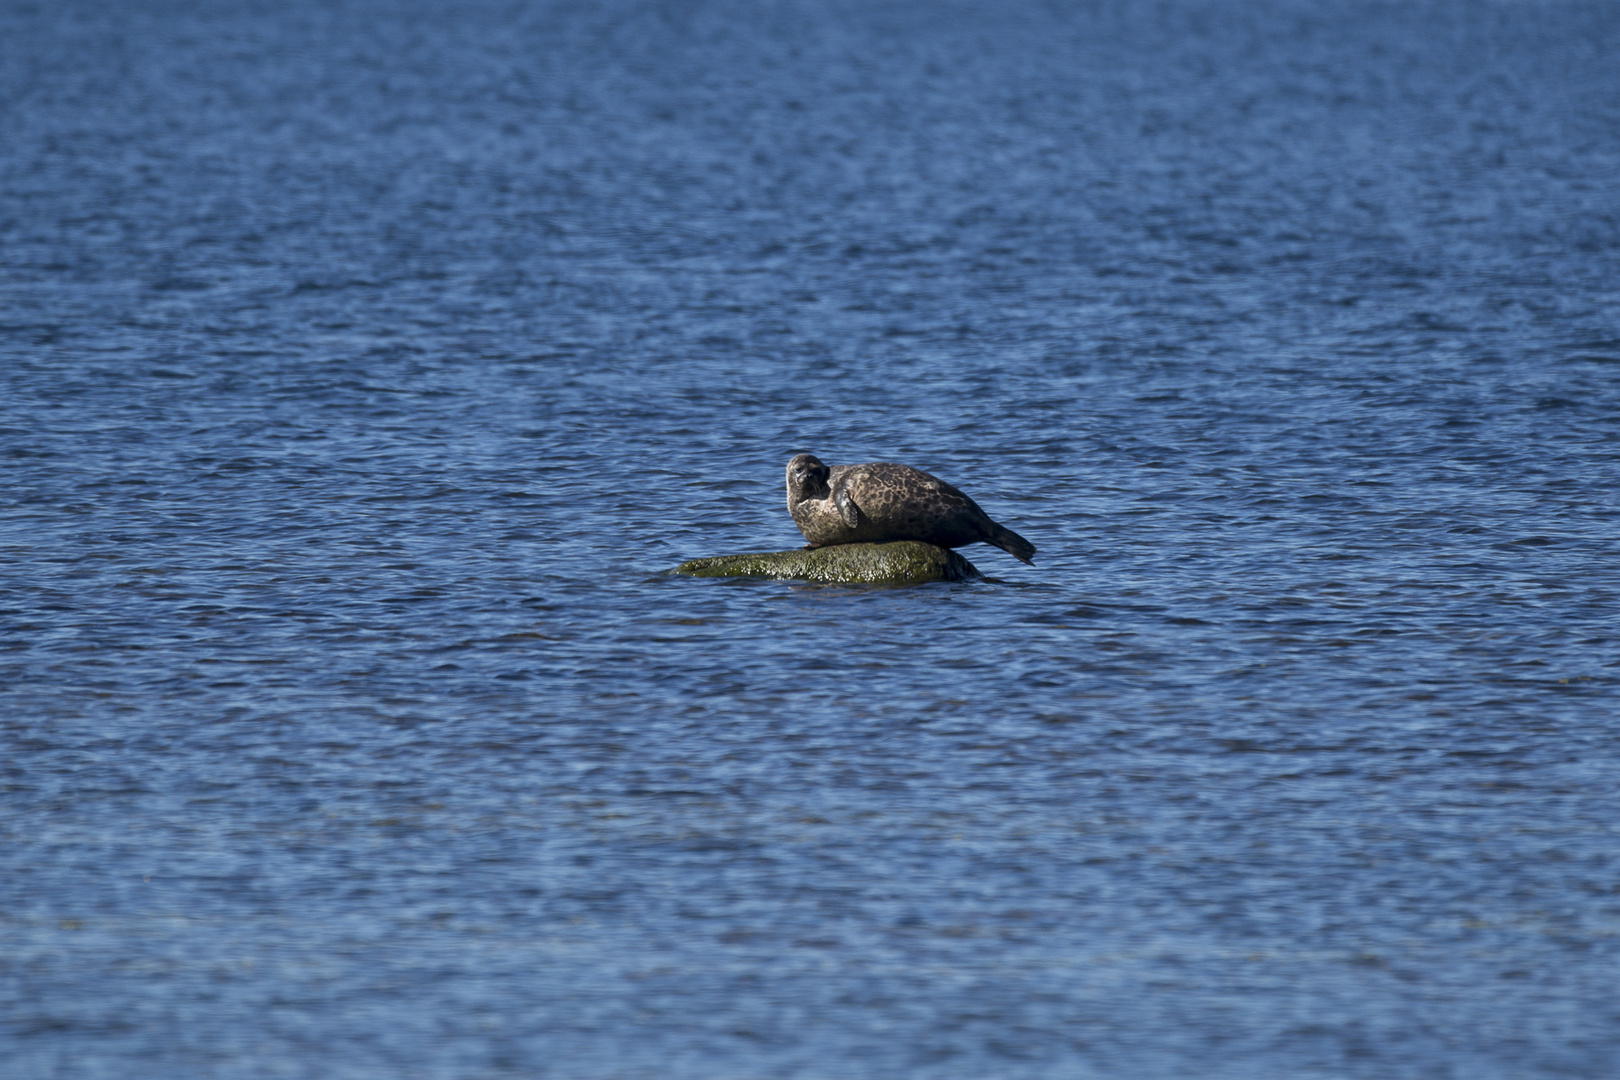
(365, 366)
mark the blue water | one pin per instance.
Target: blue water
(364, 366)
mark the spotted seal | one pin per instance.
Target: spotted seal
(850, 504)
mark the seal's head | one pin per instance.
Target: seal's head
(807, 479)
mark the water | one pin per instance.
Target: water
(364, 366)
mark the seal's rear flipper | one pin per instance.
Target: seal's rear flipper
(1012, 543)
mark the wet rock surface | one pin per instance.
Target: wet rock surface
(903, 562)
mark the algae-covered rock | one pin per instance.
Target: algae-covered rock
(900, 562)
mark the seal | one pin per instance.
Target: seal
(851, 504)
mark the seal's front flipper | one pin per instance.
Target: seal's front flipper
(847, 508)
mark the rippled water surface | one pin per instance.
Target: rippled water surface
(364, 366)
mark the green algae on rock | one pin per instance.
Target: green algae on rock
(900, 562)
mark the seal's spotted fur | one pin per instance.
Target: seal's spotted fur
(849, 504)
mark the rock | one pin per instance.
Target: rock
(901, 562)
